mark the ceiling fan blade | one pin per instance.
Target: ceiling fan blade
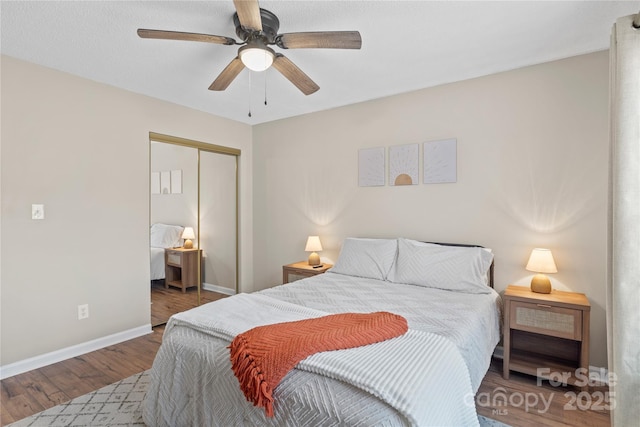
(177, 35)
(321, 39)
(227, 75)
(294, 74)
(249, 14)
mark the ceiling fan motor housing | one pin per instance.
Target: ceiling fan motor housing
(270, 27)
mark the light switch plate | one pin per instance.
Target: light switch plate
(37, 211)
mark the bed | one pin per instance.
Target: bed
(162, 236)
(427, 376)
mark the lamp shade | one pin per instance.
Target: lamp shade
(541, 261)
(313, 244)
(188, 233)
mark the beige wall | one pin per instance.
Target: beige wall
(182, 208)
(81, 148)
(532, 172)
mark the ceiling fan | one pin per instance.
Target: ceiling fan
(258, 29)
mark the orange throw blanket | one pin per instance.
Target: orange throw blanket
(262, 356)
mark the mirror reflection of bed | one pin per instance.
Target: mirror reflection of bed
(192, 185)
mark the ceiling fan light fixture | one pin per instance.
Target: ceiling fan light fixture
(256, 57)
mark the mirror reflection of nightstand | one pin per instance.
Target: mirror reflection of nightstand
(301, 270)
(181, 268)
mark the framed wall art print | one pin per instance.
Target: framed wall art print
(440, 161)
(403, 164)
(371, 167)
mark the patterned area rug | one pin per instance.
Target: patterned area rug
(118, 404)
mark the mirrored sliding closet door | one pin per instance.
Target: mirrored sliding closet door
(193, 224)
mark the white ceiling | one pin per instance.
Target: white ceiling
(406, 45)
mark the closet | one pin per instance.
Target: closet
(192, 184)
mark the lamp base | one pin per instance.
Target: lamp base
(314, 259)
(188, 244)
(541, 284)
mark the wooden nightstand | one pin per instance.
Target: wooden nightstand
(546, 331)
(181, 268)
(302, 269)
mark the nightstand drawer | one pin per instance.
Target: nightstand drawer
(174, 258)
(546, 319)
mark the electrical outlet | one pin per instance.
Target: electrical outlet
(83, 311)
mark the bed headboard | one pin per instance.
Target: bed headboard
(464, 245)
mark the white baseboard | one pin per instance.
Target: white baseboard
(596, 373)
(219, 289)
(36, 362)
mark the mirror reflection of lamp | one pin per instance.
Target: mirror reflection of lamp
(313, 246)
(188, 234)
(541, 261)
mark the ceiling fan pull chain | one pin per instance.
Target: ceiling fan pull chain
(250, 92)
(265, 88)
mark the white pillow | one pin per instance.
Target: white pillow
(165, 236)
(462, 269)
(370, 258)
(440, 245)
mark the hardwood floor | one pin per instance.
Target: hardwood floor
(34, 391)
(499, 399)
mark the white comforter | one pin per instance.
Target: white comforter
(471, 321)
(157, 263)
(192, 382)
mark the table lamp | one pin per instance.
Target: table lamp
(541, 261)
(313, 246)
(188, 234)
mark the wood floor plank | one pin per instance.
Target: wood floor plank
(64, 376)
(10, 388)
(142, 353)
(82, 369)
(6, 416)
(128, 363)
(37, 386)
(19, 407)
